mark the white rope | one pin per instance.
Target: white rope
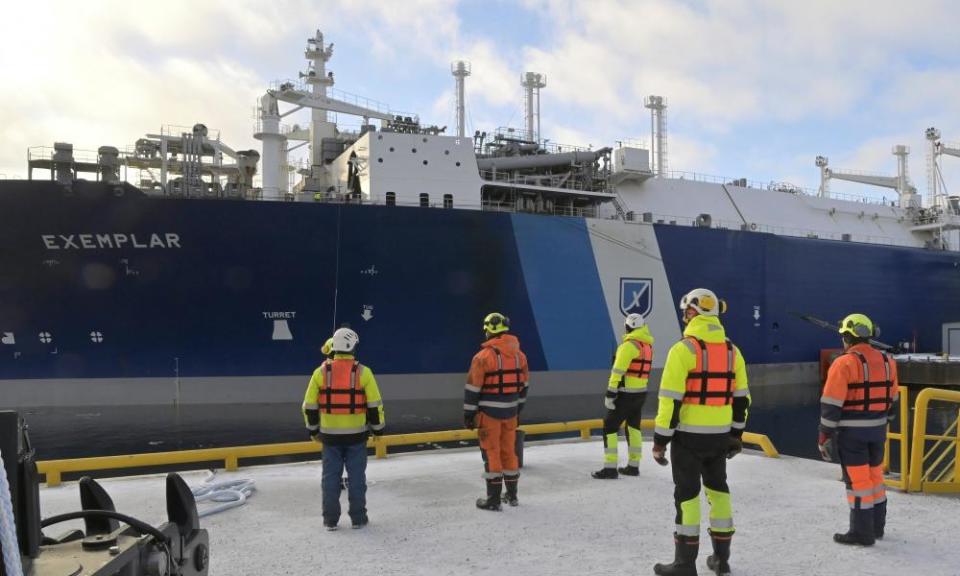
(8, 527)
(228, 493)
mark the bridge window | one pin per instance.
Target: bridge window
(424, 200)
(391, 198)
(448, 200)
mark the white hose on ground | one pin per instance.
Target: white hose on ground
(8, 527)
(228, 493)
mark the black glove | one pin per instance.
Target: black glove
(470, 420)
(659, 454)
(377, 432)
(314, 435)
(734, 447)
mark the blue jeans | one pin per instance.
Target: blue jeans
(354, 457)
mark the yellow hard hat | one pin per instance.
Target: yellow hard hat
(495, 323)
(858, 326)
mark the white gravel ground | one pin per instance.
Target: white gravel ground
(423, 520)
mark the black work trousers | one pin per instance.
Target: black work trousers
(695, 457)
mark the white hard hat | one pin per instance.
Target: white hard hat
(703, 301)
(634, 321)
(345, 340)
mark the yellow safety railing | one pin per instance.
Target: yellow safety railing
(53, 470)
(903, 437)
(941, 475)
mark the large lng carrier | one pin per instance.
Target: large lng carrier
(166, 274)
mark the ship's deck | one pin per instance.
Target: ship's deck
(423, 520)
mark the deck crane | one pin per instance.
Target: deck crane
(901, 182)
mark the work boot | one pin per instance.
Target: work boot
(861, 529)
(511, 485)
(685, 559)
(605, 474)
(330, 525)
(629, 470)
(359, 521)
(879, 519)
(719, 561)
(492, 501)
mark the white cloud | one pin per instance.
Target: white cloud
(106, 72)
(723, 62)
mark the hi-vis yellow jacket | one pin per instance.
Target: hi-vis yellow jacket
(343, 428)
(688, 370)
(631, 366)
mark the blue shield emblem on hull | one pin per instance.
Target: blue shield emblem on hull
(636, 296)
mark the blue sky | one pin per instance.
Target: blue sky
(756, 88)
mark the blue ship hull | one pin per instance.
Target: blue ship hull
(205, 307)
(109, 301)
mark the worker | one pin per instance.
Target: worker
(858, 399)
(493, 398)
(341, 407)
(626, 393)
(703, 402)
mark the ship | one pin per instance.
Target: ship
(163, 286)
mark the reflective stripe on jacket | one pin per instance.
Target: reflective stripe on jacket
(498, 378)
(675, 412)
(632, 363)
(861, 390)
(339, 422)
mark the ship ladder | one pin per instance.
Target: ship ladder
(618, 205)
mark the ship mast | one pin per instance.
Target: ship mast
(460, 70)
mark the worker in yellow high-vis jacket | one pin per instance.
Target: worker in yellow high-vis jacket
(626, 393)
(703, 402)
(341, 407)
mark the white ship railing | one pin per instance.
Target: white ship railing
(561, 181)
(362, 101)
(80, 156)
(771, 186)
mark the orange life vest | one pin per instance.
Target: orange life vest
(507, 378)
(712, 381)
(875, 392)
(641, 365)
(340, 392)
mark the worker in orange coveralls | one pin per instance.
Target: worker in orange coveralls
(858, 400)
(493, 398)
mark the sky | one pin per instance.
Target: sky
(755, 88)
